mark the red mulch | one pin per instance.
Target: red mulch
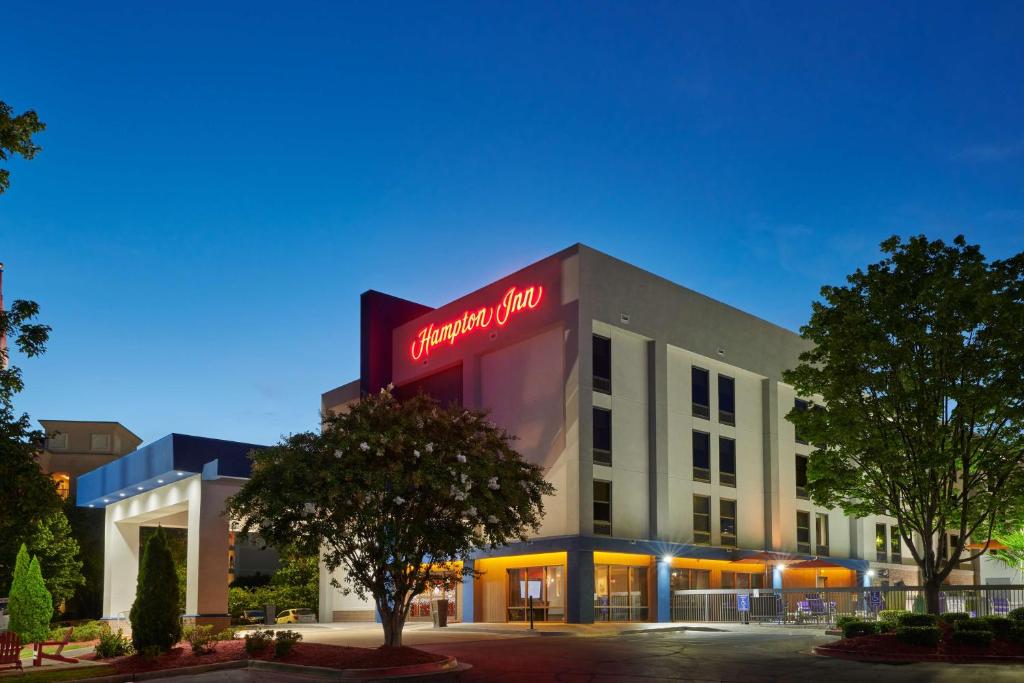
(888, 645)
(304, 654)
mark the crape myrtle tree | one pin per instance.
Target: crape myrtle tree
(16, 131)
(919, 363)
(395, 492)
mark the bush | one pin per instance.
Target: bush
(88, 631)
(891, 616)
(977, 638)
(112, 644)
(925, 636)
(854, 629)
(909, 619)
(1016, 614)
(1016, 632)
(151, 652)
(30, 605)
(285, 642)
(844, 620)
(201, 639)
(972, 625)
(155, 619)
(952, 618)
(258, 641)
(1000, 626)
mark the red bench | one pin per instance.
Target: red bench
(56, 656)
(10, 650)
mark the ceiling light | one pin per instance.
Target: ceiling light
(141, 488)
(121, 494)
(159, 481)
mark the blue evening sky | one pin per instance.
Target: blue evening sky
(220, 181)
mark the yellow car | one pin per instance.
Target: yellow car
(297, 616)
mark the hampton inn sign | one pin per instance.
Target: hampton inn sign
(514, 301)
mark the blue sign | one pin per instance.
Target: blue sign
(742, 602)
(876, 598)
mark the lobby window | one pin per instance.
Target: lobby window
(602, 507)
(726, 462)
(602, 436)
(63, 483)
(690, 579)
(801, 405)
(803, 532)
(742, 580)
(702, 519)
(895, 547)
(727, 521)
(726, 400)
(100, 443)
(821, 532)
(620, 593)
(881, 553)
(701, 393)
(545, 584)
(57, 442)
(602, 364)
(801, 477)
(701, 456)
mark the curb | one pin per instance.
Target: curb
(827, 651)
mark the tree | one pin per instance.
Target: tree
(155, 618)
(53, 544)
(394, 491)
(30, 604)
(177, 546)
(26, 495)
(16, 138)
(919, 362)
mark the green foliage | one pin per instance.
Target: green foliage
(202, 639)
(972, 625)
(284, 643)
(258, 641)
(151, 652)
(16, 133)
(952, 617)
(30, 605)
(975, 638)
(1011, 535)
(844, 619)
(88, 631)
(856, 628)
(393, 490)
(112, 644)
(155, 617)
(57, 550)
(1016, 632)
(925, 636)
(917, 620)
(177, 545)
(1000, 626)
(891, 616)
(87, 530)
(1017, 614)
(918, 360)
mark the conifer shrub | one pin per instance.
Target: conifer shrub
(30, 605)
(156, 622)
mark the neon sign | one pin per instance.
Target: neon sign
(514, 301)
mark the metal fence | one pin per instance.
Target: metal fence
(802, 605)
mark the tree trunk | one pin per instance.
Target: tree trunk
(932, 587)
(393, 621)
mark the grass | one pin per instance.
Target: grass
(28, 651)
(72, 674)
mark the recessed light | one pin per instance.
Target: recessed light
(106, 500)
(121, 494)
(181, 474)
(159, 481)
(141, 488)
(91, 505)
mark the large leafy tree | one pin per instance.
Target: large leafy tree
(919, 362)
(394, 491)
(56, 548)
(16, 131)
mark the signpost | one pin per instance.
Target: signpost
(743, 606)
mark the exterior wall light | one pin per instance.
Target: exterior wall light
(666, 558)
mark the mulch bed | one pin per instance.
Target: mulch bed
(887, 647)
(303, 654)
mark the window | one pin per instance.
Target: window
(801, 406)
(801, 476)
(726, 400)
(821, 532)
(881, 552)
(63, 483)
(547, 587)
(742, 580)
(100, 442)
(727, 521)
(895, 546)
(690, 579)
(726, 462)
(701, 393)
(602, 436)
(603, 508)
(701, 519)
(701, 456)
(602, 364)
(57, 442)
(620, 593)
(803, 531)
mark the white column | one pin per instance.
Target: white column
(206, 593)
(120, 565)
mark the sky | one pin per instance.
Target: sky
(220, 181)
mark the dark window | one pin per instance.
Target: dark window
(881, 553)
(727, 519)
(803, 532)
(801, 476)
(726, 400)
(690, 579)
(742, 580)
(701, 393)
(821, 529)
(801, 406)
(895, 546)
(726, 461)
(602, 436)
(603, 508)
(701, 519)
(602, 364)
(701, 457)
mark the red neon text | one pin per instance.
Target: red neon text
(514, 301)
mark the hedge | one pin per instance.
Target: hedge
(1017, 614)
(910, 619)
(891, 616)
(926, 636)
(953, 617)
(976, 638)
(1000, 625)
(973, 625)
(854, 629)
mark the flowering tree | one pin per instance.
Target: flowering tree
(394, 491)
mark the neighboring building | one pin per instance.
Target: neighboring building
(659, 416)
(74, 447)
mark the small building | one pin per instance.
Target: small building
(74, 447)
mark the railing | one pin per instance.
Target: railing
(803, 605)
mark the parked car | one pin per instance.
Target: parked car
(253, 616)
(297, 616)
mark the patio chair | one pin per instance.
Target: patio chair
(1000, 606)
(56, 656)
(819, 610)
(10, 650)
